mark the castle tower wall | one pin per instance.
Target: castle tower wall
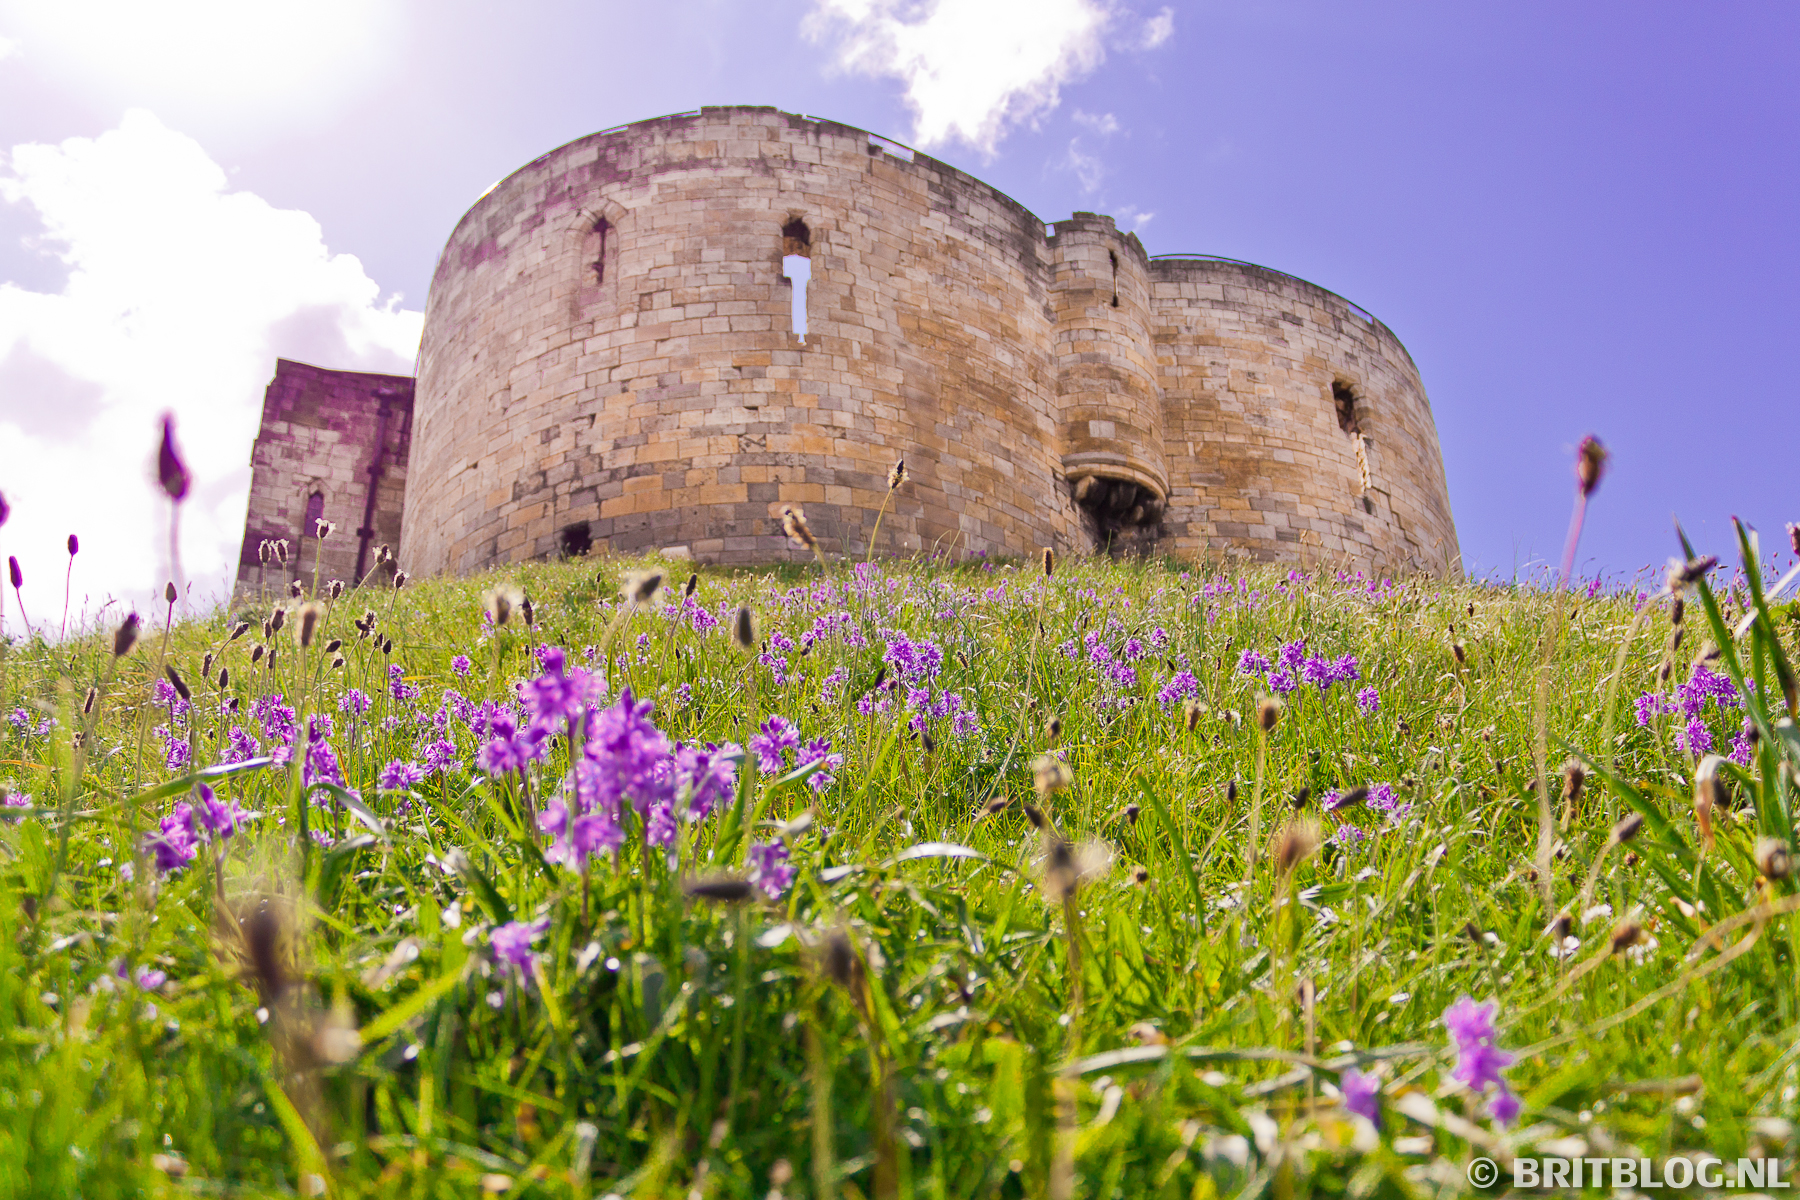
(610, 362)
(332, 446)
(1110, 404)
(1255, 368)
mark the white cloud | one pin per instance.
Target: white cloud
(241, 61)
(971, 68)
(8, 48)
(1158, 29)
(1105, 124)
(180, 294)
(1087, 167)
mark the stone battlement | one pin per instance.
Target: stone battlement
(660, 335)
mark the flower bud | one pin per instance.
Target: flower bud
(743, 629)
(18, 576)
(126, 637)
(1774, 859)
(171, 472)
(1268, 713)
(1590, 464)
(175, 680)
(1049, 563)
(897, 476)
(74, 545)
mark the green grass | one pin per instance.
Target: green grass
(922, 1013)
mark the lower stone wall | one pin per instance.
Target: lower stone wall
(322, 433)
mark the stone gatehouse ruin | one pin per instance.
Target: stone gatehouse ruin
(660, 335)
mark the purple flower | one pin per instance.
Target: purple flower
(277, 719)
(777, 735)
(150, 979)
(1345, 669)
(819, 750)
(1362, 1094)
(220, 818)
(1317, 671)
(1181, 686)
(1479, 1062)
(625, 757)
(1369, 700)
(555, 699)
(660, 828)
(173, 845)
(597, 832)
(1743, 746)
(509, 750)
(399, 775)
(1649, 705)
(15, 800)
(440, 756)
(1282, 682)
(705, 777)
(461, 665)
(965, 723)
(770, 869)
(355, 702)
(913, 662)
(1695, 737)
(1134, 650)
(1292, 655)
(1252, 663)
(321, 765)
(512, 944)
(240, 746)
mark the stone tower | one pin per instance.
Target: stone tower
(660, 335)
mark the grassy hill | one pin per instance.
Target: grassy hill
(1132, 880)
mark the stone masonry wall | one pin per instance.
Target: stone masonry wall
(1259, 461)
(609, 362)
(323, 432)
(662, 398)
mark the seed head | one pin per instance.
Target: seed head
(296, 589)
(641, 586)
(1061, 874)
(1035, 815)
(308, 623)
(1191, 712)
(5, 508)
(18, 576)
(1590, 464)
(262, 552)
(1774, 859)
(171, 472)
(1625, 934)
(1462, 655)
(1677, 611)
(926, 740)
(224, 678)
(693, 585)
(723, 889)
(1793, 529)
(995, 807)
(793, 523)
(1130, 813)
(1231, 791)
(400, 578)
(175, 680)
(337, 662)
(272, 650)
(1295, 845)
(74, 545)
(87, 704)
(1049, 563)
(500, 602)
(1627, 828)
(1687, 574)
(126, 637)
(387, 645)
(897, 476)
(334, 645)
(1709, 795)
(323, 529)
(1268, 713)
(1300, 797)
(1053, 727)
(743, 630)
(334, 589)
(256, 653)
(838, 959)
(384, 554)
(238, 631)
(277, 619)
(1050, 775)
(1574, 775)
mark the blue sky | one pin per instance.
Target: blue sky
(1579, 218)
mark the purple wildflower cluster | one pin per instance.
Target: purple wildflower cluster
(511, 944)
(23, 725)
(1381, 799)
(626, 765)
(1689, 701)
(179, 835)
(1294, 666)
(1479, 1062)
(778, 736)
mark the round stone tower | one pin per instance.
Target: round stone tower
(661, 335)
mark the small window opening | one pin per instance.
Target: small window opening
(796, 268)
(1345, 402)
(315, 514)
(602, 226)
(796, 238)
(575, 540)
(1115, 266)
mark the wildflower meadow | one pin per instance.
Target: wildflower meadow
(1054, 877)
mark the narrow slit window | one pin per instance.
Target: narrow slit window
(1344, 400)
(315, 513)
(796, 268)
(602, 226)
(1115, 268)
